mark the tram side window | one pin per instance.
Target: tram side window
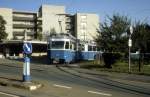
(94, 48)
(72, 46)
(67, 45)
(89, 48)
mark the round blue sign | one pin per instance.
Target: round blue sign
(27, 48)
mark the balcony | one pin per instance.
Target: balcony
(15, 18)
(23, 26)
(39, 24)
(39, 18)
(21, 33)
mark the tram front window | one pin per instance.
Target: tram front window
(57, 44)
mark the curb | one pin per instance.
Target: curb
(19, 84)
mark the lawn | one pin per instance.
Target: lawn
(119, 66)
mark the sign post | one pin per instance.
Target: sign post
(27, 50)
(130, 45)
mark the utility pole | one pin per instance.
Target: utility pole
(130, 45)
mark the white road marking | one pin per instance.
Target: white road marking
(62, 86)
(9, 94)
(100, 93)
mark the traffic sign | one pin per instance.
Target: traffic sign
(27, 48)
(130, 43)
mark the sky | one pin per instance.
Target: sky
(137, 10)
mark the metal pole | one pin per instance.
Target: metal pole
(26, 69)
(130, 45)
(129, 60)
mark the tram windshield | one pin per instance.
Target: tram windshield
(57, 45)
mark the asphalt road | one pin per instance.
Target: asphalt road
(68, 82)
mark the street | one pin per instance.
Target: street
(62, 81)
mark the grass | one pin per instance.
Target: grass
(120, 66)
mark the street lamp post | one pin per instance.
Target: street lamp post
(130, 45)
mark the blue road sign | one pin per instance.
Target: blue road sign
(27, 48)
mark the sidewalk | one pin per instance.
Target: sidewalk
(19, 84)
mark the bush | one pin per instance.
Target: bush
(111, 58)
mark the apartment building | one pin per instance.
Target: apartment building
(24, 22)
(52, 17)
(19, 22)
(86, 26)
(48, 19)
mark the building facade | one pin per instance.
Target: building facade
(19, 22)
(24, 22)
(86, 26)
(49, 19)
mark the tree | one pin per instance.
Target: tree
(141, 37)
(3, 34)
(113, 34)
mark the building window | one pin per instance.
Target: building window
(83, 32)
(83, 25)
(83, 18)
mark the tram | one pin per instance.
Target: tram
(62, 48)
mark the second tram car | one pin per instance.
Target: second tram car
(87, 51)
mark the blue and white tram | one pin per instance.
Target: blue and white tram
(87, 51)
(62, 48)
